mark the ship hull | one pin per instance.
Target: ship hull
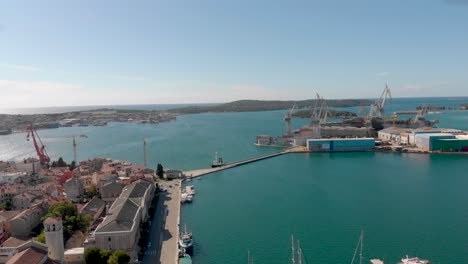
(187, 248)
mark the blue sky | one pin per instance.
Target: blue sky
(56, 53)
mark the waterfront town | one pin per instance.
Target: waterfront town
(54, 214)
(102, 210)
(100, 117)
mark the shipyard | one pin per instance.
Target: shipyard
(164, 192)
(233, 132)
(372, 131)
(150, 201)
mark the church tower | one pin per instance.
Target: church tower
(53, 229)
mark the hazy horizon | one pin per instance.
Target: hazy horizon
(176, 105)
(182, 52)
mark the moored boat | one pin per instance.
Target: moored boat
(185, 259)
(190, 190)
(217, 162)
(414, 260)
(186, 241)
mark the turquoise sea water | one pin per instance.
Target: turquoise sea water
(406, 204)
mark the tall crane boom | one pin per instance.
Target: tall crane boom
(377, 109)
(40, 150)
(287, 118)
(73, 137)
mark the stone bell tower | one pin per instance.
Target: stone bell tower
(53, 229)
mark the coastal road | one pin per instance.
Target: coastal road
(165, 227)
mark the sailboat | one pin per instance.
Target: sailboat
(250, 260)
(359, 246)
(299, 254)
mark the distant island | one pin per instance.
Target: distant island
(463, 106)
(258, 105)
(100, 117)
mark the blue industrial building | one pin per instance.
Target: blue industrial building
(340, 144)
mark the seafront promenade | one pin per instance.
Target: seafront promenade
(165, 227)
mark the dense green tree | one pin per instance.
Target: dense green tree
(159, 170)
(113, 260)
(72, 165)
(72, 220)
(105, 256)
(41, 238)
(92, 190)
(95, 255)
(119, 257)
(61, 163)
(92, 255)
(6, 205)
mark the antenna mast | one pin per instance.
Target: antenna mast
(145, 155)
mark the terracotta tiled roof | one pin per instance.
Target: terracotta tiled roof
(13, 242)
(28, 256)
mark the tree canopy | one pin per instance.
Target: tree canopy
(41, 238)
(72, 220)
(159, 170)
(95, 255)
(92, 190)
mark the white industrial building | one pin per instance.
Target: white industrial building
(30, 166)
(11, 177)
(425, 141)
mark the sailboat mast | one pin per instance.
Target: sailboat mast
(356, 250)
(299, 252)
(362, 242)
(293, 258)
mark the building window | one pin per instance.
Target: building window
(109, 239)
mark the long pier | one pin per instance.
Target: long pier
(201, 172)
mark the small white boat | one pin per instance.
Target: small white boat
(183, 197)
(190, 189)
(414, 260)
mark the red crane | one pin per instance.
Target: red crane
(40, 150)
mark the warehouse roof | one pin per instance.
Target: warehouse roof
(335, 139)
(395, 130)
